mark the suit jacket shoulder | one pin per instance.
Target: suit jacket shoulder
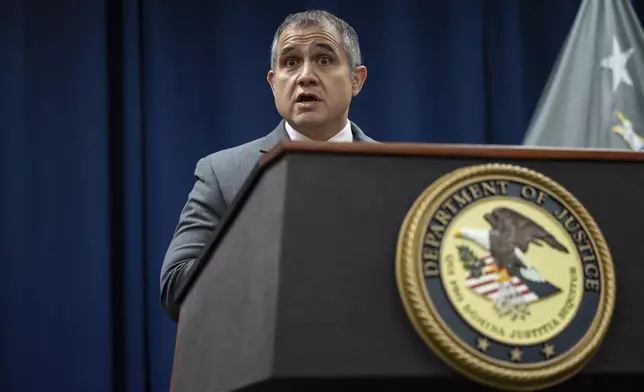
(232, 166)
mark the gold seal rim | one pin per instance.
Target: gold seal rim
(435, 332)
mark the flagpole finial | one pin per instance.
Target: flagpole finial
(625, 130)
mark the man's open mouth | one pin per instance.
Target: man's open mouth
(307, 98)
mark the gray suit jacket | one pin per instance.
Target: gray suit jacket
(218, 178)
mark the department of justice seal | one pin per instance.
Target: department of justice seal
(505, 276)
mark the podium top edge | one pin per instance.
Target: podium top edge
(451, 150)
(394, 149)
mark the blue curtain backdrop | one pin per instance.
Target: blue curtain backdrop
(105, 107)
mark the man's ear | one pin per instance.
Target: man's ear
(358, 79)
(270, 78)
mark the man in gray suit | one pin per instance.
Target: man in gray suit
(316, 70)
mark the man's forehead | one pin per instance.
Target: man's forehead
(296, 37)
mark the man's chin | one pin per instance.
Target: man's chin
(309, 119)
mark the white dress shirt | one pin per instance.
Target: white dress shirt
(345, 135)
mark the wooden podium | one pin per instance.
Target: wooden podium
(297, 290)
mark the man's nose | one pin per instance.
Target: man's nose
(307, 76)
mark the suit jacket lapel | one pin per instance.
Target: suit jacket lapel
(360, 136)
(274, 138)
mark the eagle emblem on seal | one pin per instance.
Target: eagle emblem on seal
(504, 273)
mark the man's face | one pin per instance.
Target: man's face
(312, 81)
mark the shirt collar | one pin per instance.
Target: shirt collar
(345, 135)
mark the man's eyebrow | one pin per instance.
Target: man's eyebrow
(287, 49)
(326, 47)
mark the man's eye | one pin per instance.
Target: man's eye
(324, 60)
(290, 62)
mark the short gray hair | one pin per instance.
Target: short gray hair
(319, 18)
